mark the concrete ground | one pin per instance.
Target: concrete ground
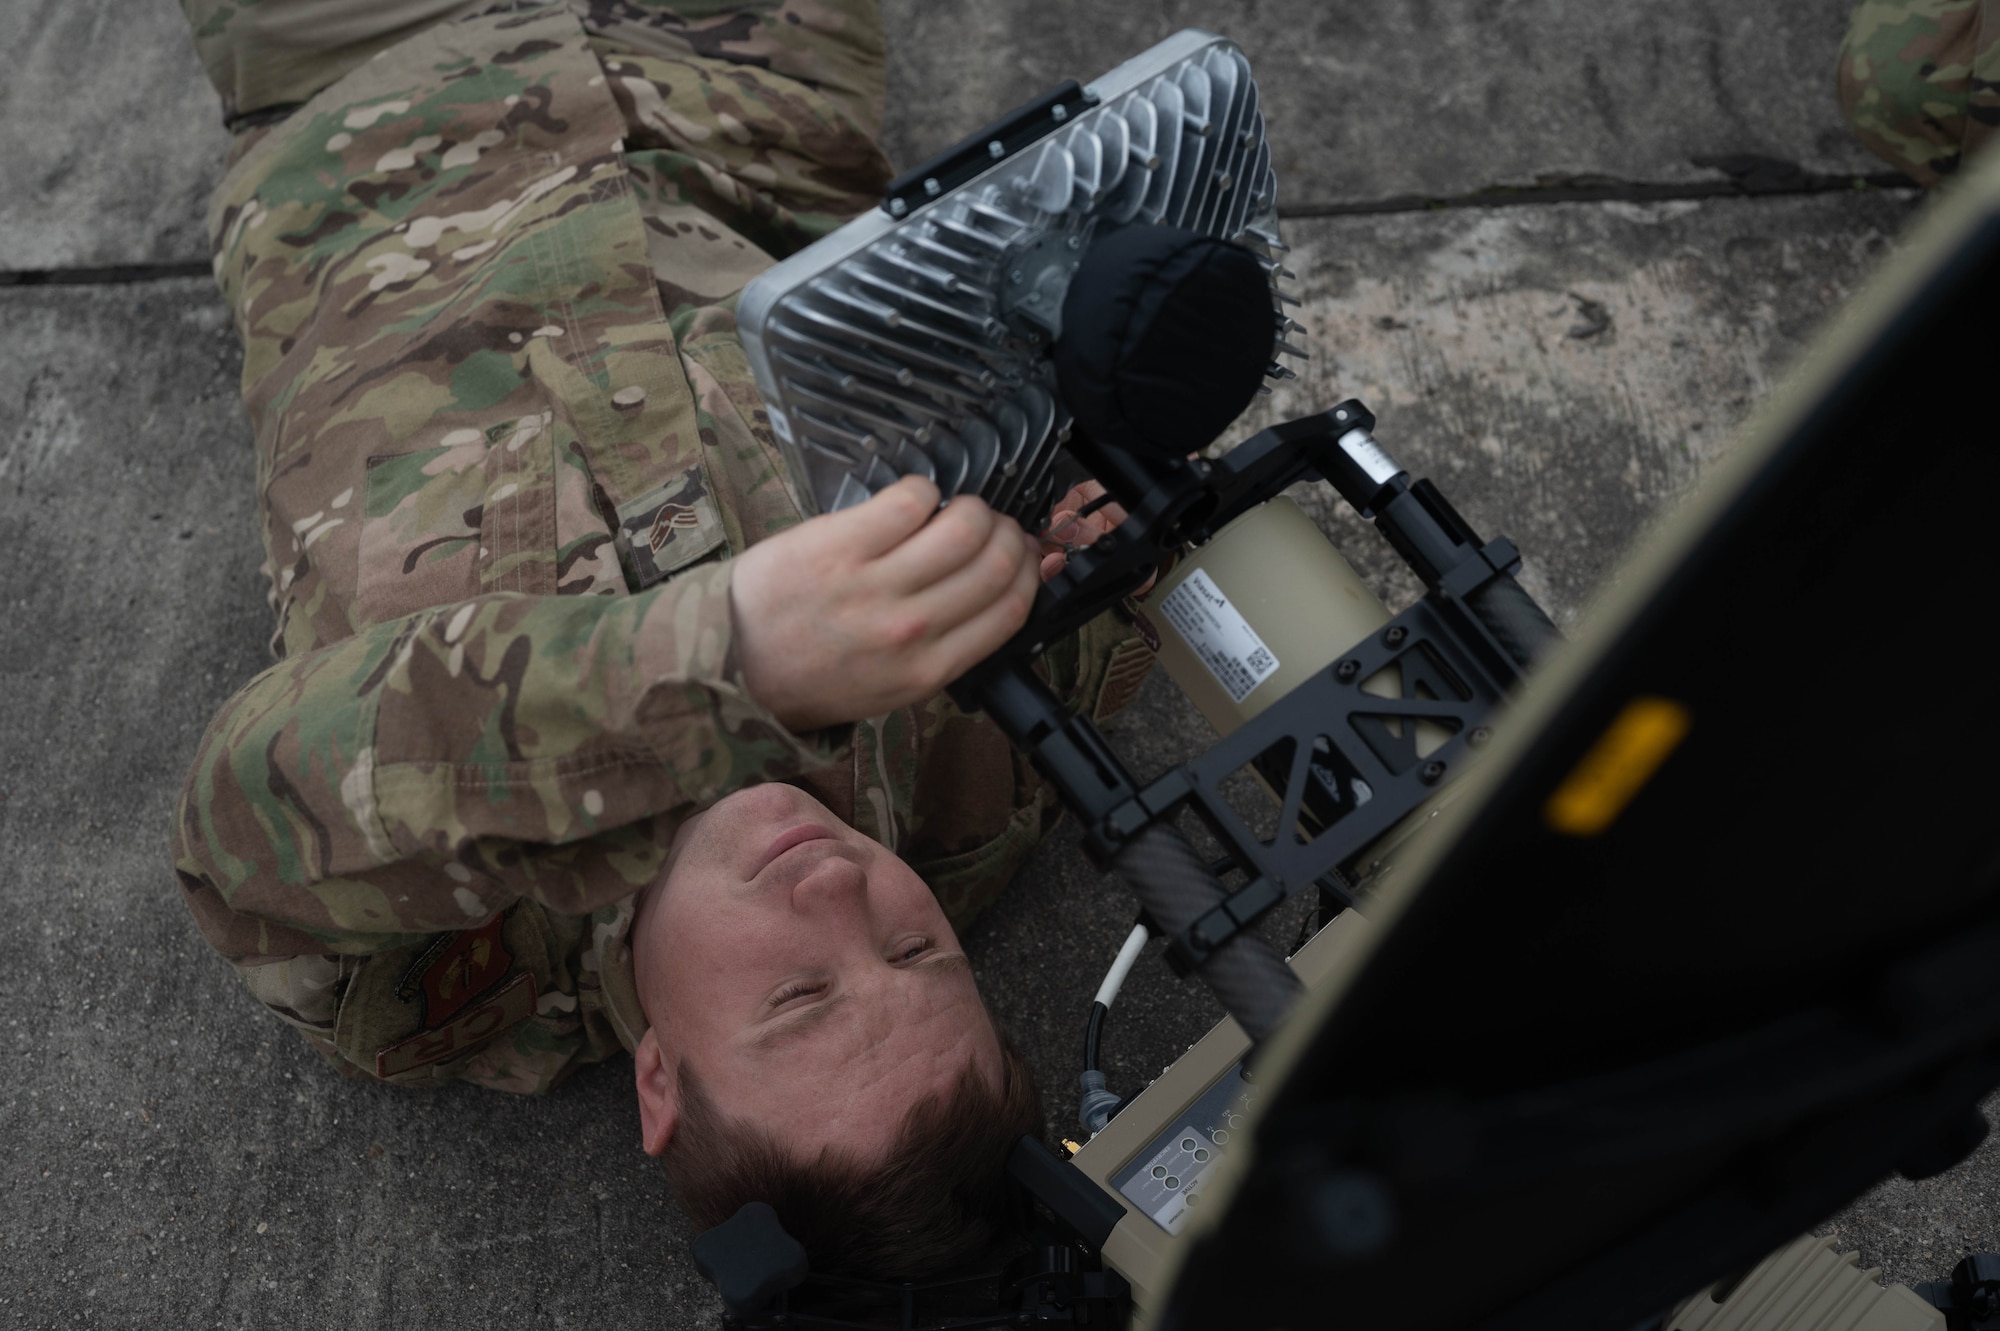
(1560, 247)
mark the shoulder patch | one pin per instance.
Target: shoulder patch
(1123, 675)
(456, 969)
(511, 1004)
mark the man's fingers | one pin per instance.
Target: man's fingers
(889, 518)
(952, 540)
(967, 590)
(980, 636)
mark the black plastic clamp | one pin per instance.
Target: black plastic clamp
(1240, 910)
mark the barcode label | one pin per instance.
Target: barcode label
(1220, 636)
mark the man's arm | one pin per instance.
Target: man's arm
(422, 774)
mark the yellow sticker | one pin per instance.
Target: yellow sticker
(1617, 767)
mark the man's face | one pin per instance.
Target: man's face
(806, 974)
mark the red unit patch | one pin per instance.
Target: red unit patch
(512, 1004)
(468, 964)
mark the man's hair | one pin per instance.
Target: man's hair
(936, 1205)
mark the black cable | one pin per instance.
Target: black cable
(1093, 1035)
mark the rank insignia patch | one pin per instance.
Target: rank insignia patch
(455, 970)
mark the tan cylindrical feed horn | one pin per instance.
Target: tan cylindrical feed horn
(1258, 610)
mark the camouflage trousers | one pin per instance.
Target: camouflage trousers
(1920, 81)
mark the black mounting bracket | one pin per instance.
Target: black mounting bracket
(1347, 763)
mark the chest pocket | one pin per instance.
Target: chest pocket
(420, 528)
(473, 513)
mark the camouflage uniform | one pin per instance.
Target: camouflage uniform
(484, 271)
(1920, 81)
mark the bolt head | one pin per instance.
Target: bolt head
(1433, 773)
(1479, 735)
(1076, 242)
(1395, 635)
(1347, 670)
(996, 150)
(897, 207)
(1017, 277)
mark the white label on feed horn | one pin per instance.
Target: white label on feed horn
(1220, 636)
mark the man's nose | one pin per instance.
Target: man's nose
(835, 889)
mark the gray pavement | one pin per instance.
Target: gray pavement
(171, 1155)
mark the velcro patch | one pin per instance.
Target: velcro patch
(668, 528)
(1123, 675)
(456, 969)
(511, 1004)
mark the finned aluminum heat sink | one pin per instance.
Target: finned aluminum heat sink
(916, 339)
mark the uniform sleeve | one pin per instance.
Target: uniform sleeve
(423, 774)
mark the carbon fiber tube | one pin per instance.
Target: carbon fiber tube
(1252, 981)
(1512, 616)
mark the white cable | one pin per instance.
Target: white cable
(1114, 979)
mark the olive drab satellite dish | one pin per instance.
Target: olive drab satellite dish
(1712, 942)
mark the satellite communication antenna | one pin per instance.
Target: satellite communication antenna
(919, 339)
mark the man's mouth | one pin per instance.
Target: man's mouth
(788, 839)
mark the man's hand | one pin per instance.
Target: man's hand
(856, 613)
(1070, 529)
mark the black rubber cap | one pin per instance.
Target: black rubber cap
(750, 1259)
(1166, 336)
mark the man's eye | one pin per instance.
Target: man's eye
(796, 991)
(915, 948)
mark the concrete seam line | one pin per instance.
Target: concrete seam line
(1605, 191)
(110, 275)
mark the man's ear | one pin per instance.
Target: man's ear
(659, 1093)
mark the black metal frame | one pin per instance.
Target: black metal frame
(1468, 640)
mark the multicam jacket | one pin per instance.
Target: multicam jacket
(483, 265)
(1920, 81)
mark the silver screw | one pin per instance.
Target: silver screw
(1059, 113)
(996, 150)
(1076, 242)
(932, 188)
(1017, 277)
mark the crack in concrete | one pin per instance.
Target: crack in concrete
(1748, 178)
(109, 275)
